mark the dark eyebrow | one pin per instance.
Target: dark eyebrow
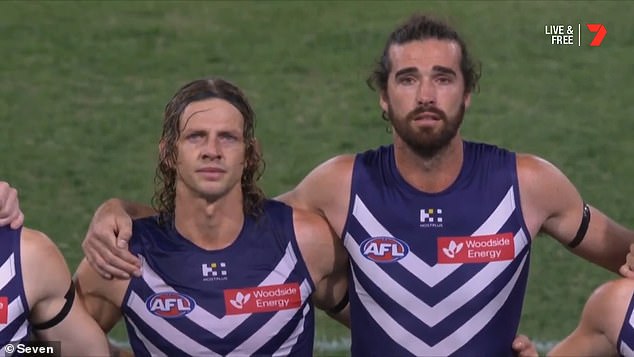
(406, 70)
(444, 70)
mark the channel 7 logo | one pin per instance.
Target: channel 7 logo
(600, 32)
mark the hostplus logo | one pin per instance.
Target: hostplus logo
(431, 217)
(214, 271)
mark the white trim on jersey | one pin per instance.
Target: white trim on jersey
(7, 271)
(626, 350)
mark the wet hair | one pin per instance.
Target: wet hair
(417, 28)
(165, 179)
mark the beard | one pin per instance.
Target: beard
(426, 142)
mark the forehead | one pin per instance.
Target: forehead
(213, 112)
(425, 54)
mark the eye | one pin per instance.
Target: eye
(228, 137)
(406, 80)
(194, 136)
(444, 79)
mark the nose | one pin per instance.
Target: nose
(211, 150)
(426, 93)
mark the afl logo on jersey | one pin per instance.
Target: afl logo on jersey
(170, 304)
(384, 249)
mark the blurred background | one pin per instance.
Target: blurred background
(83, 86)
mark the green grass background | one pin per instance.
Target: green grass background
(83, 85)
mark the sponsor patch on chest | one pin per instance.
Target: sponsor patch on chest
(4, 309)
(262, 299)
(476, 249)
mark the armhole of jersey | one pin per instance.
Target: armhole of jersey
(290, 227)
(516, 195)
(351, 198)
(623, 331)
(135, 248)
(19, 272)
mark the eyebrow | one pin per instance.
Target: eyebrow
(438, 69)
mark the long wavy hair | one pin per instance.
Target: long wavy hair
(420, 27)
(165, 178)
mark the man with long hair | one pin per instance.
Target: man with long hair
(225, 271)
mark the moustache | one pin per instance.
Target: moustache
(426, 109)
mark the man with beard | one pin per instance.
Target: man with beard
(438, 228)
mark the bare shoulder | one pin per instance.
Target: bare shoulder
(607, 306)
(324, 188)
(532, 166)
(39, 254)
(335, 170)
(613, 293)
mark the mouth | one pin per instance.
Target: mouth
(211, 172)
(427, 116)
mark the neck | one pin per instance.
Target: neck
(210, 224)
(430, 174)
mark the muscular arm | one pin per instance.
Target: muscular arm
(327, 262)
(101, 297)
(600, 323)
(551, 204)
(325, 190)
(46, 282)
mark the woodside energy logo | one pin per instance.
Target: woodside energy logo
(565, 35)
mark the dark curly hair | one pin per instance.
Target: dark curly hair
(165, 179)
(421, 27)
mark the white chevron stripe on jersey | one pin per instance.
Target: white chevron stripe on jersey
(263, 334)
(153, 350)
(7, 271)
(221, 327)
(453, 341)
(286, 347)
(166, 330)
(432, 275)
(15, 309)
(626, 350)
(430, 315)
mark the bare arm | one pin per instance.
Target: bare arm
(101, 297)
(600, 322)
(106, 241)
(79, 334)
(327, 262)
(9, 208)
(325, 191)
(552, 204)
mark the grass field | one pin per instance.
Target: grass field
(83, 85)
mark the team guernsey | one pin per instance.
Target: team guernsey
(14, 312)
(625, 342)
(436, 274)
(251, 298)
